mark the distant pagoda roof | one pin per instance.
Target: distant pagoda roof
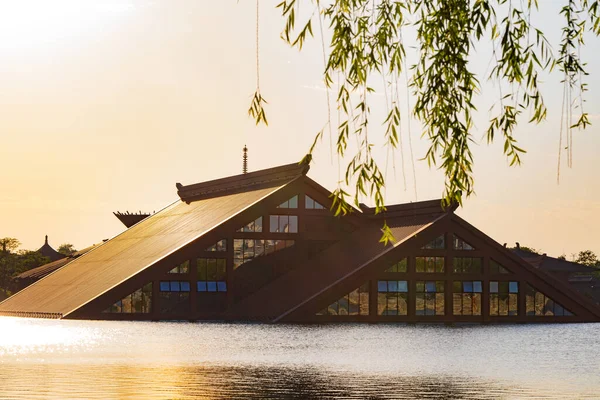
(47, 251)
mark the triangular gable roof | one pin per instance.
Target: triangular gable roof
(559, 286)
(334, 264)
(89, 276)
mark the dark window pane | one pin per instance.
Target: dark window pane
(468, 287)
(439, 264)
(493, 287)
(403, 286)
(274, 223)
(284, 223)
(258, 225)
(222, 286)
(211, 286)
(382, 286)
(185, 286)
(381, 303)
(476, 303)
(420, 304)
(165, 287)
(514, 287)
(402, 304)
(293, 224)
(211, 269)
(175, 286)
(221, 268)
(310, 203)
(513, 303)
(430, 287)
(353, 302)
(420, 264)
(201, 286)
(293, 202)
(457, 304)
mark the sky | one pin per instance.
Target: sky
(105, 105)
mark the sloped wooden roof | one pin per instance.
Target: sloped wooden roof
(134, 250)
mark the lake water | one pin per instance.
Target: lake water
(87, 359)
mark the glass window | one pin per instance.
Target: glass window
(245, 250)
(212, 272)
(400, 266)
(182, 268)
(352, 304)
(496, 268)
(429, 298)
(221, 245)
(467, 265)
(466, 298)
(311, 204)
(460, 244)
(392, 298)
(403, 286)
(138, 302)
(504, 298)
(429, 264)
(174, 297)
(254, 226)
(283, 223)
(539, 305)
(437, 243)
(291, 203)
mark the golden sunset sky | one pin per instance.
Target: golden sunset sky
(106, 104)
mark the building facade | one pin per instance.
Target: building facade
(264, 246)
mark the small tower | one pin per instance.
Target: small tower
(245, 161)
(47, 251)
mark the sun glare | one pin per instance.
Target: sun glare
(33, 23)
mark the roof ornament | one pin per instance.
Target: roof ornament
(245, 161)
(46, 242)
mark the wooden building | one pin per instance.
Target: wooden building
(265, 246)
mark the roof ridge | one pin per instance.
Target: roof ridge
(241, 182)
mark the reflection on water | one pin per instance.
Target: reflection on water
(85, 359)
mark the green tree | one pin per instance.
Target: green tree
(12, 264)
(366, 44)
(67, 249)
(527, 249)
(587, 257)
(9, 244)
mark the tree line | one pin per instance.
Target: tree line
(14, 261)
